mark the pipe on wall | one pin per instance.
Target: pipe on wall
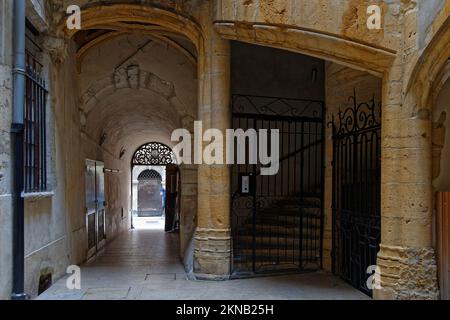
(17, 135)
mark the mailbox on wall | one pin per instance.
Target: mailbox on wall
(247, 183)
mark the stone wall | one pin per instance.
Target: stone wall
(6, 10)
(347, 18)
(188, 216)
(46, 239)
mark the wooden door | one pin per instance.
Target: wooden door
(443, 243)
(172, 193)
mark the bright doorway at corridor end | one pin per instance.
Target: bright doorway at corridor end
(149, 193)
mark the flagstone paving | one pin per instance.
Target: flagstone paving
(145, 265)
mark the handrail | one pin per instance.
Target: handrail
(294, 153)
(276, 97)
(291, 107)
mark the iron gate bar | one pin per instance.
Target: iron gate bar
(289, 201)
(35, 168)
(356, 190)
(269, 117)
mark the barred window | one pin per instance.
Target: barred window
(35, 150)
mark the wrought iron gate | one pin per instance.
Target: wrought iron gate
(278, 227)
(356, 191)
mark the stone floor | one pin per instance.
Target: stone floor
(144, 265)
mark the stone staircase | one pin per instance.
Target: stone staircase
(285, 235)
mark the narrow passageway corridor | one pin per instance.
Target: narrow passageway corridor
(144, 265)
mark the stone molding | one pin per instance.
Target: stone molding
(212, 254)
(349, 53)
(407, 273)
(37, 195)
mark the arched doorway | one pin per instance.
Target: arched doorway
(150, 194)
(148, 94)
(155, 188)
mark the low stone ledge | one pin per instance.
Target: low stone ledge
(33, 196)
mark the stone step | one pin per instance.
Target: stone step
(294, 211)
(305, 202)
(263, 233)
(272, 242)
(287, 222)
(267, 266)
(280, 230)
(260, 257)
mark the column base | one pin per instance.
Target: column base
(212, 254)
(407, 273)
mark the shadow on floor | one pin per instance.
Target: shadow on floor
(145, 265)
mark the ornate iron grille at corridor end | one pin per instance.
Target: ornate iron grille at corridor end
(35, 150)
(154, 154)
(278, 228)
(356, 191)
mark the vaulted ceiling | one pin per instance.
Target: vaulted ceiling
(134, 88)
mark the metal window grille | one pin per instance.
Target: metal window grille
(35, 164)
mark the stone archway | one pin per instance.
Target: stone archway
(149, 200)
(352, 54)
(429, 72)
(312, 43)
(168, 28)
(212, 239)
(146, 18)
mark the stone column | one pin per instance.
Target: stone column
(212, 238)
(406, 259)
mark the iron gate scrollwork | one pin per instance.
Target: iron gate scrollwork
(279, 226)
(356, 191)
(154, 153)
